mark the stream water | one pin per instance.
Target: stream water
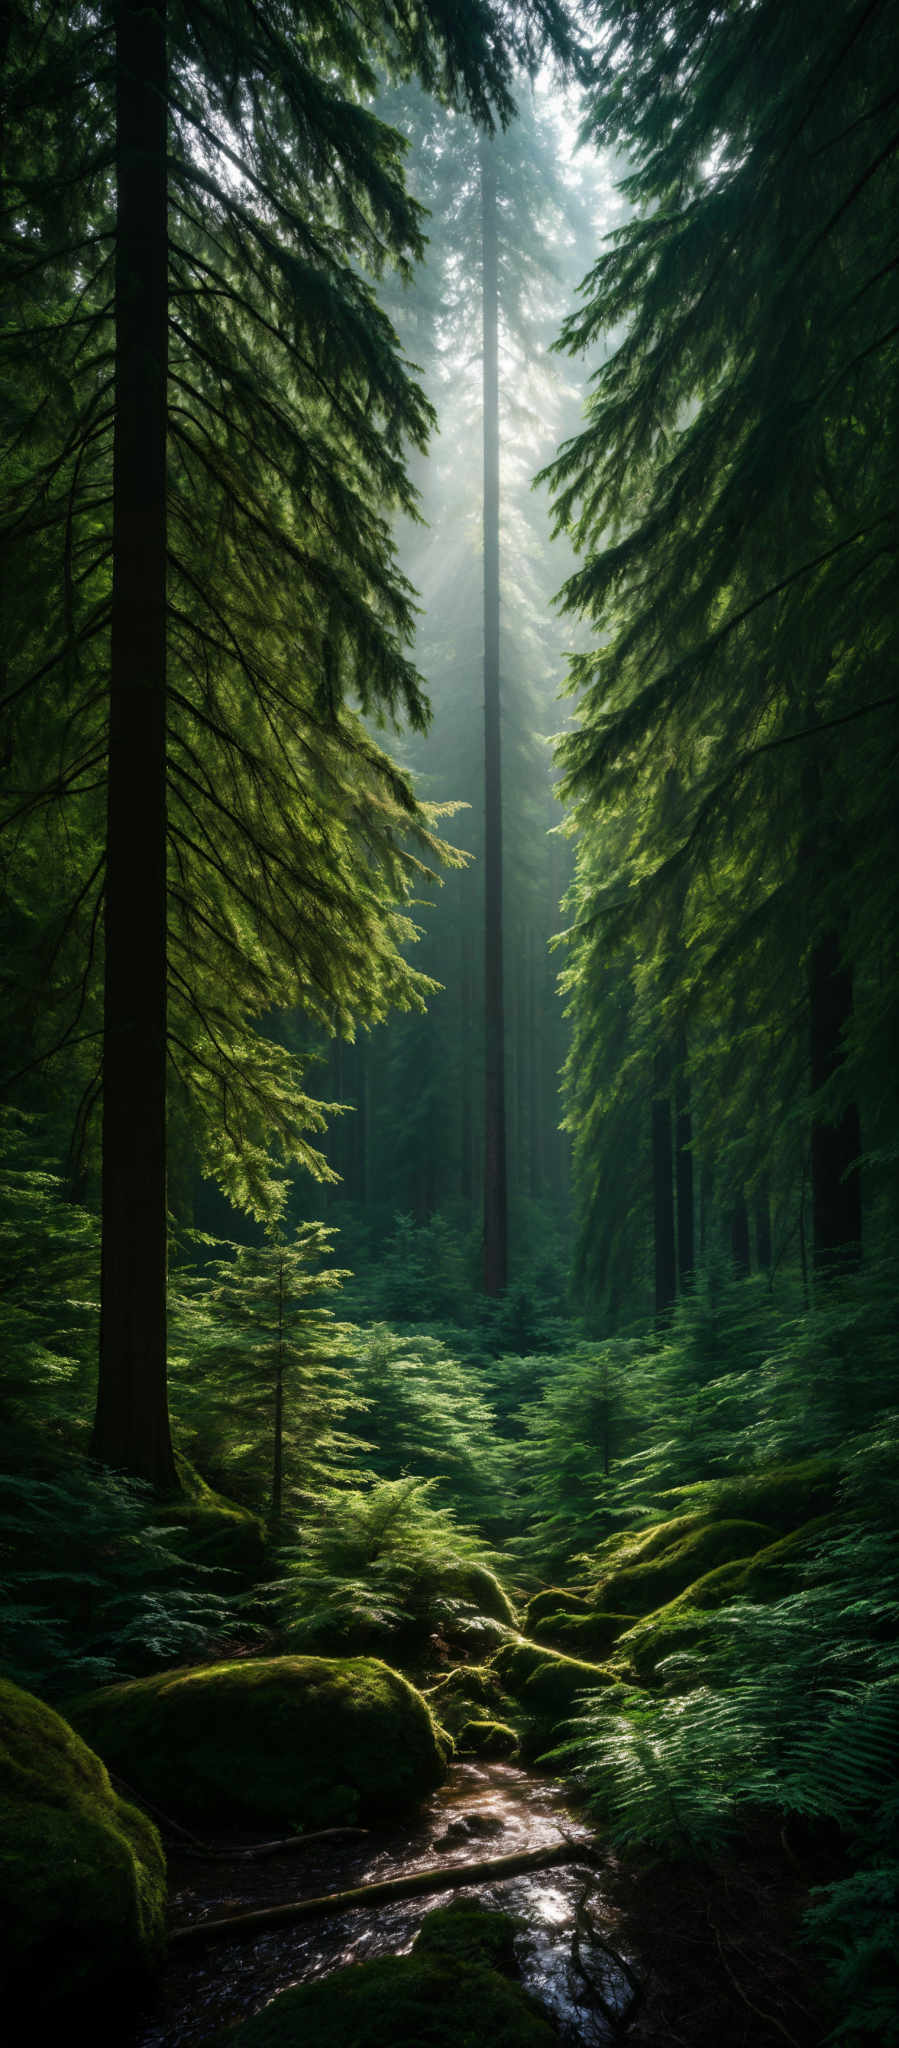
(566, 1949)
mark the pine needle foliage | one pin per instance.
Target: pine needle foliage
(260, 1375)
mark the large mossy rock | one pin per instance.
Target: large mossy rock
(544, 1682)
(549, 1602)
(591, 1634)
(304, 1741)
(658, 1567)
(82, 1874)
(767, 1575)
(784, 1496)
(454, 1991)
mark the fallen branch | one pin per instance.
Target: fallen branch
(440, 1878)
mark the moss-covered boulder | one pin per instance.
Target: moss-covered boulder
(455, 1990)
(545, 1682)
(480, 1588)
(479, 1736)
(651, 1577)
(550, 1601)
(783, 1496)
(82, 1874)
(209, 1530)
(768, 1575)
(591, 1635)
(306, 1741)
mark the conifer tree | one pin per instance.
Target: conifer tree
(732, 496)
(244, 185)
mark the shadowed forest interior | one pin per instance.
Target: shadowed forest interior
(448, 1197)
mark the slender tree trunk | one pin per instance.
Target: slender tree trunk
(495, 1192)
(278, 1448)
(683, 1168)
(131, 1430)
(739, 1238)
(663, 1189)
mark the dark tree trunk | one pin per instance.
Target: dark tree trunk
(131, 1429)
(683, 1169)
(835, 1146)
(663, 1189)
(739, 1238)
(278, 1446)
(763, 1225)
(495, 1195)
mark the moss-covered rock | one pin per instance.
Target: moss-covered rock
(209, 1530)
(480, 1588)
(784, 1496)
(552, 1600)
(82, 1874)
(301, 1740)
(480, 1736)
(651, 1578)
(768, 1575)
(544, 1681)
(591, 1635)
(453, 1991)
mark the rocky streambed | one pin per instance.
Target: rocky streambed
(567, 1948)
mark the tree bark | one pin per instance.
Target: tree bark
(835, 1144)
(663, 1190)
(739, 1238)
(495, 1190)
(763, 1249)
(683, 1169)
(131, 1430)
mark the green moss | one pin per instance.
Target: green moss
(480, 1587)
(544, 1681)
(767, 1575)
(213, 1531)
(482, 1737)
(82, 1874)
(306, 1741)
(785, 1496)
(589, 1635)
(651, 1580)
(451, 1992)
(551, 1601)
(637, 1546)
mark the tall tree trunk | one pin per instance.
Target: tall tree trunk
(663, 1188)
(278, 1445)
(131, 1430)
(739, 1238)
(763, 1225)
(495, 1194)
(835, 1145)
(683, 1168)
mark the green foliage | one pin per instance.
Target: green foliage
(373, 1564)
(425, 1412)
(258, 1377)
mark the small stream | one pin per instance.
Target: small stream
(483, 1810)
